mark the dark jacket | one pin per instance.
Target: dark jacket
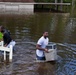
(6, 38)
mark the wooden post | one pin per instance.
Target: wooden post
(73, 7)
(61, 5)
(56, 7)
(11, 53)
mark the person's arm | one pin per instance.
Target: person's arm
(39, 47)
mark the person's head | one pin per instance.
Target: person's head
(45, 34)
(2, 29)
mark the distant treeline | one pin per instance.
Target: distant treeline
(52, 0)
(33, 0)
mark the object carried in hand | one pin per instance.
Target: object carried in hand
(52, 52)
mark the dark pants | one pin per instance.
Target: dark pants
(40, 58)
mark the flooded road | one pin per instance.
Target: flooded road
(27, 29)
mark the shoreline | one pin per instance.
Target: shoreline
(20, 7)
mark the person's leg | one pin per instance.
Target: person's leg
(40, 58)
(12, 43)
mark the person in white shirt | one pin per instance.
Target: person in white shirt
(41, 46)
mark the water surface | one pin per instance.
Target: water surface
(27, 29)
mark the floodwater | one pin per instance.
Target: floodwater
(27, 29)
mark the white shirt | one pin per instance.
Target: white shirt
(43, 42)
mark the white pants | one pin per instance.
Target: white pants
(11, 43)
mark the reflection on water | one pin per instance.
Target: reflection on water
(26, 30)
(66, 64)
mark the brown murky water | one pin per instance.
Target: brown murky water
(27, 29)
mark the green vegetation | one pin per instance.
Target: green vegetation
(43, 0)
(51, 0)
(53, 7)
(68, 1)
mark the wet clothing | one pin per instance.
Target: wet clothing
(40, 58)
(43, 42)
(6, 38)
(7, 31)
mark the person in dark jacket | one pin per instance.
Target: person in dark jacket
(7, 38)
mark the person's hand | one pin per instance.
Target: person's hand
(5, 45)
(46, 50)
